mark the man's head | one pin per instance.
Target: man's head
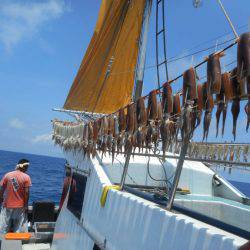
(22, 165)
(67, 169)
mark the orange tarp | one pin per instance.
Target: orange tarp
(113, 48)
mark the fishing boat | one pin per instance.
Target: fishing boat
(137, 178)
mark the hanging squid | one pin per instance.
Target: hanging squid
(208, 104)
(235, 109)
(199, 104)
(214, 73)
(111, 128)
(243, 56)
(228, 95)
(122, 120)
(189, 85)
(221, 107)
(189, 99)
(104, 134)
(152, 105)
(167, 99)
(141, 116)
(115, 137)
(177, 115)
(243, 67)
(130, 126)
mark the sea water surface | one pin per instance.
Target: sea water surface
(46, 174)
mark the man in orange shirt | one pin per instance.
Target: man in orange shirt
(14, 196)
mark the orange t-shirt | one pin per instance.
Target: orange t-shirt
(14, 184)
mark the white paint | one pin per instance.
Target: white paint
(129, 222)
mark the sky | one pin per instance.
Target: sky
(42, 43)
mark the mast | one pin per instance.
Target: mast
(139, 73)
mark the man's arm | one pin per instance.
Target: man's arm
(3, 184)
(2, 189)
(26, 196)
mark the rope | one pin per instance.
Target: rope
(228, 19)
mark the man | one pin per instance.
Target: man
(66, 185)
(14, 196)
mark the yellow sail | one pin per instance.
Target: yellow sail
(104, 82)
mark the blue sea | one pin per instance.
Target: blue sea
(46, 174)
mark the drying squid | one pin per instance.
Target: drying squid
(115, 137)
(228, 95)
(235, 109)
(243, 56)
(177, 119)
(167, 99)
(122, 120)
(111, 127)
(152, 105)
(104, 134)
(130, 126)
(90, 139)
(199, 104)
(141, 113)
(141, 116)
(130, 122)
(220, 108)
(189, 85)
(214, 73)
(208, 105)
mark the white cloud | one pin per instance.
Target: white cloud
(16, 123)
(44, 138)
(21, 19)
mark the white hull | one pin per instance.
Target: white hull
(130, 222)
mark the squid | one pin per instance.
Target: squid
(243, 56)
(199, 104)
(189, 85)
(214, 73)
(111, 127)
(90, 139)
(221, 106)
(208, 115)
(177, 114)
(167, 99)
(235, 109)
(152, 105)
(122, 120)
(141, 113)
(115, 137)
(130, 126)
(141, 116)
(104, 134)
(243, 67)
(228, 95)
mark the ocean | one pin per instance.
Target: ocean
(47, 174)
